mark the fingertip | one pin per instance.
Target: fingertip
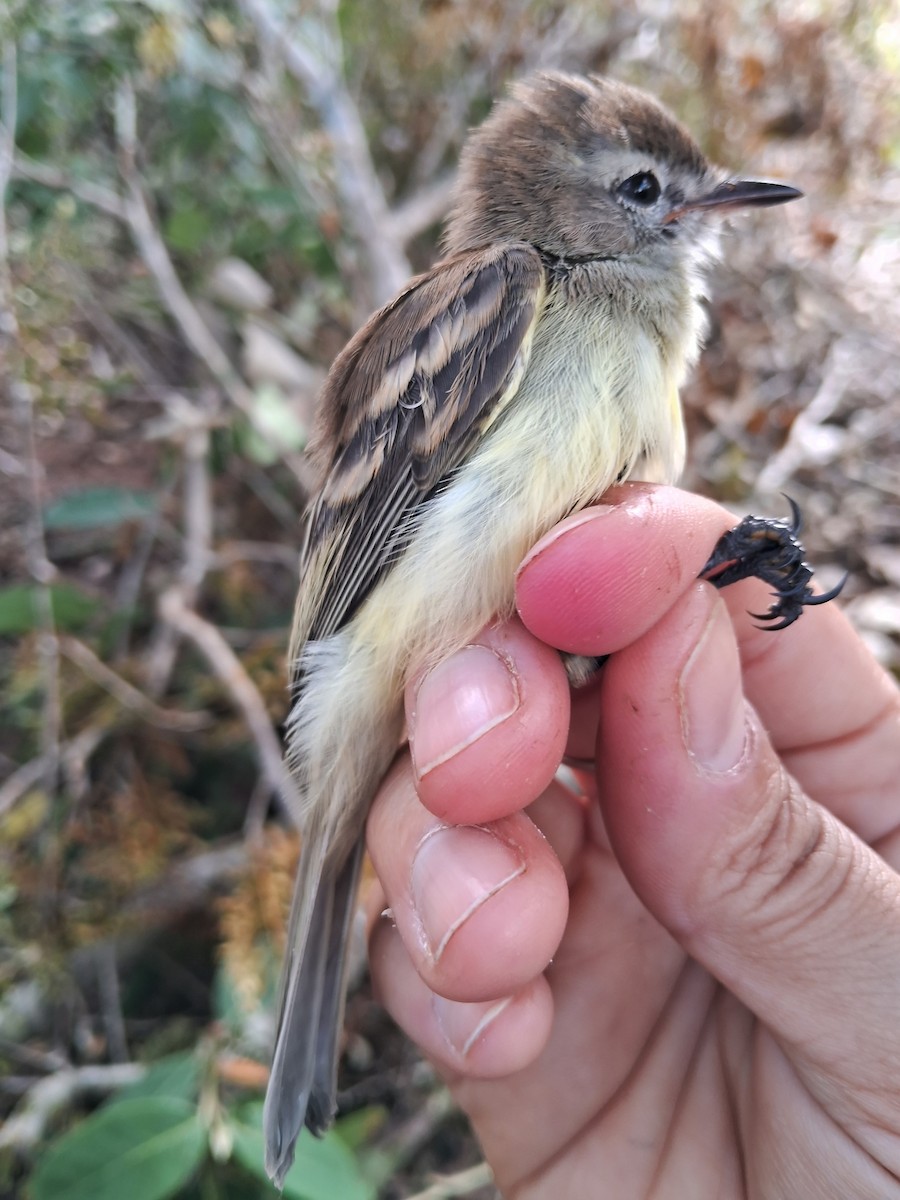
(488, 726)
(601, 579)
(481, 908)
(479, 1039)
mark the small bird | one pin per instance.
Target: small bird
(534, 366)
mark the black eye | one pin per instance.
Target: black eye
(642, 188)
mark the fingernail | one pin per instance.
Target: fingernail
(463, 1024)
(458, 701)
(713, 708)
(583, 518)
(455, 870)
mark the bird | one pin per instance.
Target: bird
(535, 365)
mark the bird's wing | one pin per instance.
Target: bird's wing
(403, 406)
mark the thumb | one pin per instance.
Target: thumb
(782, 903)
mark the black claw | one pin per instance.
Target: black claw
(796, 514)
(768, 549)
(824, 597)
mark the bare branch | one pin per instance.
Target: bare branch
(71, 756)
(796, 452)
(50, 1096)
(460, 1183)
(94, 194)
(242, 690)
(193, 425)
(319, 71)
(9, 104)
(40, 568)
(110, 994)
(420, 211)
(186, 314)
(129, 696)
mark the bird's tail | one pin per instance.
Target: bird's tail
(303, 1080)
(343, 732)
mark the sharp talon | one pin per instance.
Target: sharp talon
(824, 597)
(796, 514)
(783, 624)
(769, 616)
(768, 550)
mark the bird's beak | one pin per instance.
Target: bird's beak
(738, 193)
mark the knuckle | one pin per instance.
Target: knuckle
(783, 866)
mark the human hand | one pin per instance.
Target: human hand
(721, 906)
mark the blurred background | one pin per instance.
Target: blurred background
(200, 203)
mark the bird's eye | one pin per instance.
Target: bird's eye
(642, 189)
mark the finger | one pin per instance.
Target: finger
(487, 727)
(777, 898)
(480, 908)
(603, 577)
(487, 1039)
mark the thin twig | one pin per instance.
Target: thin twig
(71, 756)
(421, 211)
(129, 696)
(111, 1001)
(242, 691)
(40, 568)
(198, 532)
(49, 1097)
(837, 373)
(96, 195)
(319, 71)
(460, 1183)
(185, 313)
(8, 112)
(229, 553)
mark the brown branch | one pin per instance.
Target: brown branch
(128, 695)
(242, 691)
(193, 433)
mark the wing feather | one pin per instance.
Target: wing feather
(403, 406)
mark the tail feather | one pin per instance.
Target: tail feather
(343, 731)
(303, 1078)
(320, 1112)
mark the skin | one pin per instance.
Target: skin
(719, 895)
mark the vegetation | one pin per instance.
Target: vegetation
(200, 202)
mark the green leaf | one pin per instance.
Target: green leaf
(187, 228)
(72, 609)
(144, 1149)
(96, 508)
(324, 1168)
(175, 1075)
(358, 1128)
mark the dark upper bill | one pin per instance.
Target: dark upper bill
(738, 193)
